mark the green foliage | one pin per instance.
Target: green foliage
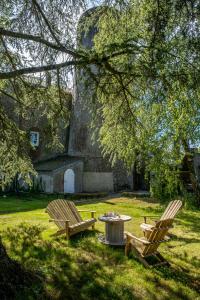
(136, 195)
(34, 101)
(22, 238)
(78, 196)
(190, 200)
(148, 91)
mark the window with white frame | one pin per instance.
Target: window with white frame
(34, 138)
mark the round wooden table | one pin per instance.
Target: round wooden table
(114, 230)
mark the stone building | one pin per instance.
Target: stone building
(82, 167)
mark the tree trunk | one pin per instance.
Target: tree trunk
(189, 161)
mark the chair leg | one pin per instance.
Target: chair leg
(136, 253)
(138, 256)
(128, 245)
(127, 249)
(92, 216)
(67, 229)
(162, 260)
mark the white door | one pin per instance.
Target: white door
(69, 180)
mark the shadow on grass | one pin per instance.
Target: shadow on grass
(29, 202)
(160, 275)
(180, 275)
(83, 268)
(24, 203)
(75, 269)
(171, 292)
(189, 220)
(117, 198)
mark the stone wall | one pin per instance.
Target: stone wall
(37, 123)
(46, 182)
(98, 182)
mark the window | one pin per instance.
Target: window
(34, 138)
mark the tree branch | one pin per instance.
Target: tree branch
(46, 22)
(10, 96)
(31, 70)
(40, 40)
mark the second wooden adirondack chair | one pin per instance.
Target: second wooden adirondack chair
(169, 213)
(66, 216)
(145, 248)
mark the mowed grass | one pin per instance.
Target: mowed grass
(83, 268)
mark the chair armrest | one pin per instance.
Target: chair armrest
(90, 211)
(84, 210)
(58, 220)
(150, 217)
(131, 236)
(145, 226)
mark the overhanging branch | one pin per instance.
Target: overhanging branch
(31, 70)
(38, 39)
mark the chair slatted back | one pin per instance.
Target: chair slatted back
(171, 210)
(157, 235)
(63, 210)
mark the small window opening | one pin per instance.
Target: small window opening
(34, 138)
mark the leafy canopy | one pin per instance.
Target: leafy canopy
(150, 94)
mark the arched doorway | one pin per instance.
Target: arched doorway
(69, 181)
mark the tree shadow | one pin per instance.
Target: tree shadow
(159, 277)
(160, 283)
(24, 203)
(180, 275)
(29, 202)
(75, 269)
(189, 220)
(83, 268)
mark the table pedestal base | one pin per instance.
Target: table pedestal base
(114, 234)
(103, 240)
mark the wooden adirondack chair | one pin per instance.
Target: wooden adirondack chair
(145, 248)
(66, 216)
(169, 213)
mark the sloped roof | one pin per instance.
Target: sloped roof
(55, 163)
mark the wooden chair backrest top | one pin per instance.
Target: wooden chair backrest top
(63, 210)
(171, 210)
(156, 236)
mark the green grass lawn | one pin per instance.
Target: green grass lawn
(83, 268)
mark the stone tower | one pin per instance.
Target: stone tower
(80, 141)
(98, 174)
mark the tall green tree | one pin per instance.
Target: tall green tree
(149, 95)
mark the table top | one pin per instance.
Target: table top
(121, 218)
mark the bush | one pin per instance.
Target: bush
(190, 200)
(85, 196)
(135, 194)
